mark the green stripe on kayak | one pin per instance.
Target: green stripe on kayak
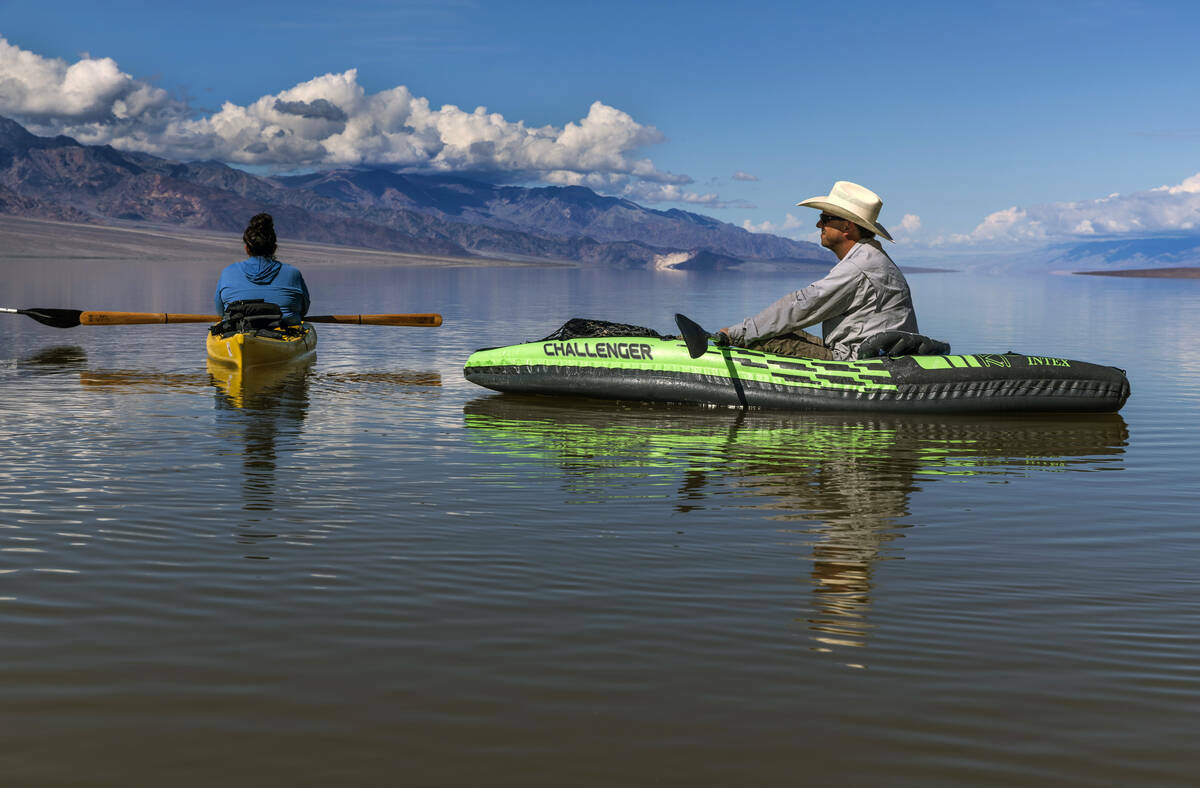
(946, 362)
(643, 354)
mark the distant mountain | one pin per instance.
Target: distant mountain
(555, 212)
(1168, 251)
(59, 178)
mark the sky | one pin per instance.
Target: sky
(980, 124)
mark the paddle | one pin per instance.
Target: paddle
(694, 336)
(70, 318)
(696, 339)
(431, 320)
(59, 318)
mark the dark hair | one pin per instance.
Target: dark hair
(864, 234)
(260, 236)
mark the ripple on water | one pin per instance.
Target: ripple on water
(377, 555)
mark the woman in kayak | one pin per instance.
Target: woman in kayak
(261, 276)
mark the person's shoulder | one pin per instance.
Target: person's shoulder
(871, 253)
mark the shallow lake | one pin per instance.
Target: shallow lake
(371, 572)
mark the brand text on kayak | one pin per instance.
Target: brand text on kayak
(634, 350)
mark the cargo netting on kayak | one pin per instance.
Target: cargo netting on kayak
(583, 328)
(254, 315)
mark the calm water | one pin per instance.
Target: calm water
(370, 572)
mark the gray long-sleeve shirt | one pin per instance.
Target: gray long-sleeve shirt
(863, 294)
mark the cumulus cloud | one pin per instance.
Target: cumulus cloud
(1162, 209)
(331, 121)
(91, 90)
(312, 109)
(642, 191)
(791, 226)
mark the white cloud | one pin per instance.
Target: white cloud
(1189, 186)
(744, 176)
(792, 226)
(1162, 209)
(91, 89)
(641, 191)
(331, 120)
(910, 224)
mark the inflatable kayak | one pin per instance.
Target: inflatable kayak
(262, 347)
(661, 369)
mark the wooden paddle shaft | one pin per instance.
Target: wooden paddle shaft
(431, 320)
(135, 318)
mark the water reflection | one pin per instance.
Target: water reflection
(404, 377)
(133, 379)
(843, 483)
(58, 358)
(260, 407)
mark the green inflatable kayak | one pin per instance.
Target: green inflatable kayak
(661, 369)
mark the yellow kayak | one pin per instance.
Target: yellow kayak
(259, 386)
(246, 349)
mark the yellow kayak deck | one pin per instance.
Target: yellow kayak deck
(264, 347)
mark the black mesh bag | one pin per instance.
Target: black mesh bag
(901, 343)
(583, 328)
(252, 315)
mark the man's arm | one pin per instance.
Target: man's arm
(821, 300)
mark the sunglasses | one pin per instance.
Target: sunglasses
(826, 219)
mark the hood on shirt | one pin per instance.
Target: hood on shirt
(260, 270)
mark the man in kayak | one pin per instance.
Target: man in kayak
(261, 275)
(864, 294)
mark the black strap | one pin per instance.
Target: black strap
(252, 314)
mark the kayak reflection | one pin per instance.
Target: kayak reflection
(843, 482)
(262, 410)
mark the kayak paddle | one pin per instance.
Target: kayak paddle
(59, 318)
(695, 337)
(70, 318)
(431, 320)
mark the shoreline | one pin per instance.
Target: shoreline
(29, 239)
(1178, 272)
(46, 239)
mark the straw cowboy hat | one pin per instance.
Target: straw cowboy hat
(853, 202)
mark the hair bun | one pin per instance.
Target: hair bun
(259, 236)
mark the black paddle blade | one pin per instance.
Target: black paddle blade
(59, 318)
(693, 335)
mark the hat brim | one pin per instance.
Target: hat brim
(823, 204)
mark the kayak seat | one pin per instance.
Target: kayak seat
(255, 316)
(901, 343)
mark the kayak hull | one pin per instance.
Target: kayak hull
(645, 369)
(245, 350)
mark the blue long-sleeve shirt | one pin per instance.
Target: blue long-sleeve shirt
(262, 277)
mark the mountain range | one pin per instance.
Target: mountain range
(1179, 250)
(59, 178)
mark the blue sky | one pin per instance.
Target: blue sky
(978, 123)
